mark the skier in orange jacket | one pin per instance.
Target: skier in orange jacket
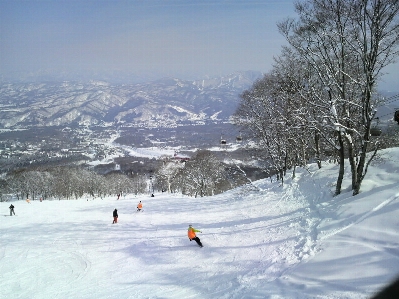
(139, 206)
(192, 236)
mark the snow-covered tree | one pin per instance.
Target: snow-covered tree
(346, 44)
(202, 175)
(276, 113)
(167, 173)
(322, 89)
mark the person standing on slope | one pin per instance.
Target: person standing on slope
(192, 236)
(12, 210)
(115, 215)
(139, 206)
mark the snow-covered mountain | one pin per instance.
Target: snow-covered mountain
(164, 102)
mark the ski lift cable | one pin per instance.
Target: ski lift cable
(392, 97)
(390, 100)
(231, 134)
(385, 115)
(385, 103)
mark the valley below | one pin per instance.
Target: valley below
(127, 128)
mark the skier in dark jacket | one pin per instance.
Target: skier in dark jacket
(12, 210)
(115, 215)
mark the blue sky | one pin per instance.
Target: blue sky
(176, 37)
(179, 38)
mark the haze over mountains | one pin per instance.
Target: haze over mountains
(161, 103)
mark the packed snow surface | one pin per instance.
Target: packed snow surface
(260, 241)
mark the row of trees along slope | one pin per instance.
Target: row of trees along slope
(202, 175)
(320, 98)
(69, 182)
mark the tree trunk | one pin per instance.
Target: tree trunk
(317, 145)
(352, 163)
(360, 166)
(341, 172)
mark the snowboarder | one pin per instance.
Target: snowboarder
(139, 206)
(115, 215)
(12, 210)
(192, 236)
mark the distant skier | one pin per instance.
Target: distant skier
(115, 214)
(12, 210)
(139, 206)
(192, 236)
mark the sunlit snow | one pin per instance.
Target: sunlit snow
(260, 241)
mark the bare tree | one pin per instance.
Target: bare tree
(376, 46)
(167, 173)
(277, 114)
(346, 44)
(202, 175)
(70, 182)
(258, 114)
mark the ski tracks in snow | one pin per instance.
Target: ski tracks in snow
(360, 219)
(271, 253)
(62, 254)
(308, 220)
(314, 209)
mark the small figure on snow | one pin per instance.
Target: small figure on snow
(115, 215)
(139, 206)
(12, 210)
(118, 196)
(192, 236)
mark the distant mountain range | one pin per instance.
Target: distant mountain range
(161, 103)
